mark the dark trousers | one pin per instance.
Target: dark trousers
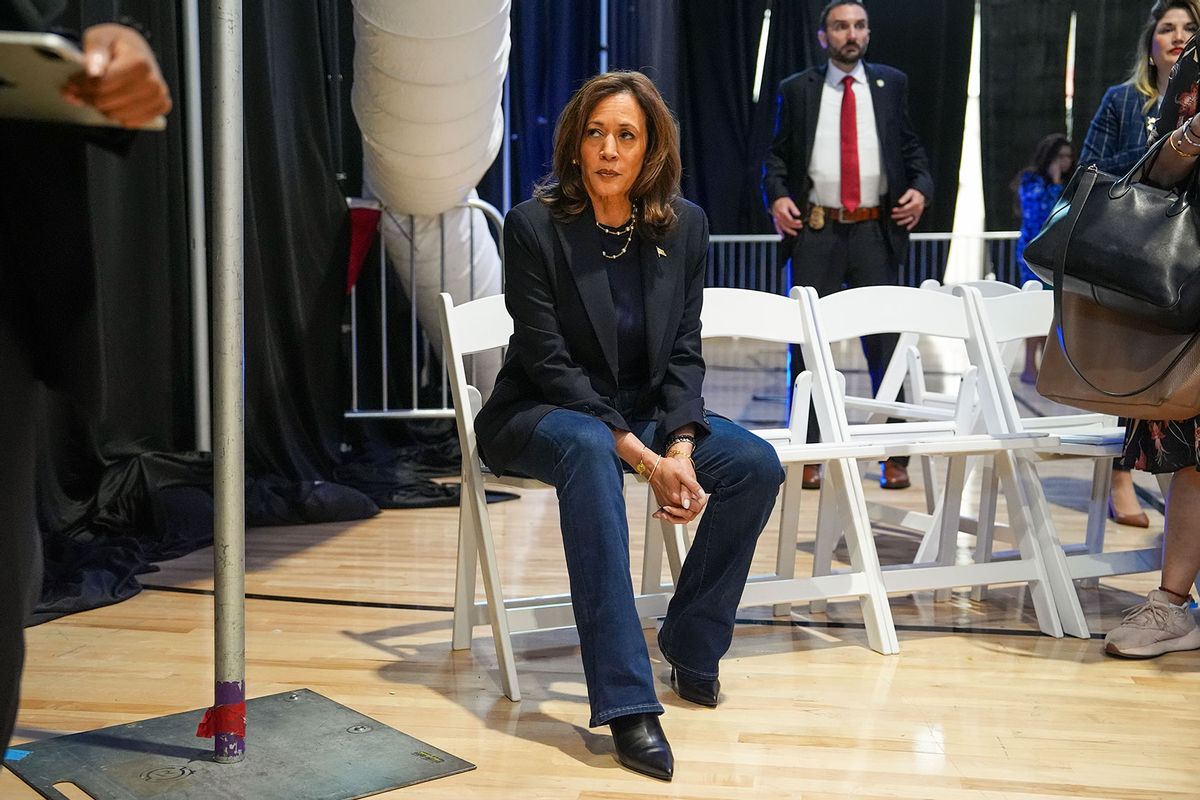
(740, 472)
(20, 546)
(844, 255)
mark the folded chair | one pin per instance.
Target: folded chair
(1083, 435)
(972, 429)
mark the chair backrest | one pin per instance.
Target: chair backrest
(888, 309)
(1021, 315)
(868, 310)
(473, 327)
(750, 314)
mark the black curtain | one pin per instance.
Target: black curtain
(122, 490)
(934, 48)
(1023, 66)
(554, 49)
(724, 131)
(1105, 42)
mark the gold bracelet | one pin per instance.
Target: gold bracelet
(1175, 147)
(650, 477)
(640, 467)
(674, 453)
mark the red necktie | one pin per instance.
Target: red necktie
(850, 187)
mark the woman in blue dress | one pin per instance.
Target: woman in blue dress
(1038, 187)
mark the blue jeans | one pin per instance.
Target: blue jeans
(575, 453)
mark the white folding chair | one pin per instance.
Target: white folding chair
(854, 313)
(473, 327)
(746, 315)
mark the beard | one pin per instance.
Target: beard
(847, 54)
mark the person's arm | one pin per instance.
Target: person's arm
(919, 193)
(1178, 156)
(537, 339)
(121, 77)
(1103, 145)
(783, 209)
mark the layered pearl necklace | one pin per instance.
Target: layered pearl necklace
(625, 230)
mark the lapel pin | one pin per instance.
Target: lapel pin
(879, 82)
(662, 253)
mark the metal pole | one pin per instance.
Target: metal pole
(229, 524)
(201, 386)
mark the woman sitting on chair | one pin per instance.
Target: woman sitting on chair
(604, 277)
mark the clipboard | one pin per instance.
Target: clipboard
(33, 69)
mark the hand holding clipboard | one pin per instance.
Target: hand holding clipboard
(115, 81)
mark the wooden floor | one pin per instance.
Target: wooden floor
(978, 704)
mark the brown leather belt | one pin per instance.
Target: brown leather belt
(819, 215)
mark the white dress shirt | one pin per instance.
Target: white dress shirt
(825, 167)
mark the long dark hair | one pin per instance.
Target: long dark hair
(657, 185)
(1039, 164)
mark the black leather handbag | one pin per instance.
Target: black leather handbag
(1127, 246)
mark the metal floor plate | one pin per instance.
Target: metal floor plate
(299, 746)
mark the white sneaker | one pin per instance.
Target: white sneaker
(1152, 628)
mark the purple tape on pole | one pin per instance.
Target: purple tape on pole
(230, 739)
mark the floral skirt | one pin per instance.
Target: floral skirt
(1162, 445)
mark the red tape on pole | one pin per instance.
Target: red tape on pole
(223, 719)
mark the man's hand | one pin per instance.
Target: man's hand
(121, 78)
(909, 209)
(786, 216)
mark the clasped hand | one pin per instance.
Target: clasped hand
(680, 496)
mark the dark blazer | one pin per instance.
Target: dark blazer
(785, 169)
(563, 351)
(1117, 136)
(46, 261)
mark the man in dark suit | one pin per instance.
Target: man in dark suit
(48, 326)
(845, 180)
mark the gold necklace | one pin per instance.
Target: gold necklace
(627, 228)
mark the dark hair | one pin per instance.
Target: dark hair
(834, 4)
(1044, 152)
(657, 185)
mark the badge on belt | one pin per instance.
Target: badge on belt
(816, 217)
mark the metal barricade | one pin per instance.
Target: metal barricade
(419, 351)
(750, 261)
(745, 261)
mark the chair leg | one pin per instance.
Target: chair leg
(675, 539)
(929, 482)
(927, 551)
(652, 550)
(1054, 598)
(985, 530)
(789, 527)
(1097, 513)
(828, 533)
(464, 577)
(950, 519)
(841, 478)
(493, 590)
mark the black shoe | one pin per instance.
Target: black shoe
(642, 746)
(696, 690)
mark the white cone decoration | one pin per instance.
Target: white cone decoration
(428, 86)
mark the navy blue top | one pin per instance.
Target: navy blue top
(625, 283)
